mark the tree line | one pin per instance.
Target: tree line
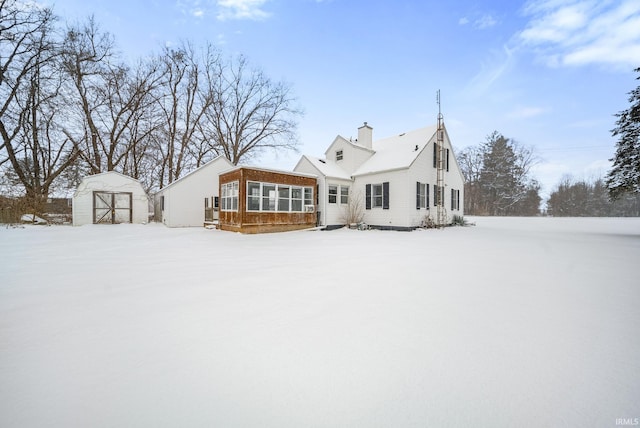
(498, 181)
(70, 105)
(583, 198)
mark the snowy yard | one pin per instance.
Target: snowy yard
(514, 322)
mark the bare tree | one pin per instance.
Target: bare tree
(85, 54)
(182, 105)
(353, 211)
(250, 112)
(36, 149)
(470, 161)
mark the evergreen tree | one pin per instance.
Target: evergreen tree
(624, 176)
(503, 177)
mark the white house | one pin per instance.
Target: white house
(193, 199)
(110, 198)
(394, 180)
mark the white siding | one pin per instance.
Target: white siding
(82, 202)
(184, 198)
(422, 171)
(352, 155)
(396, 215)
(335, 213)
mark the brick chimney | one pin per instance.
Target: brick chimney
(365, 136)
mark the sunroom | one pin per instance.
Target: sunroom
(256, 200)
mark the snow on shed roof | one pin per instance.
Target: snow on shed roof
(397, 152)
(197, 170)
(328, 168)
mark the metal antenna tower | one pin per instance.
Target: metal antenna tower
(441, 159)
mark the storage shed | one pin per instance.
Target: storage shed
(110, 198)
(191, 200)
(255, 200)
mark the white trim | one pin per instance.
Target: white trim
(277, 186)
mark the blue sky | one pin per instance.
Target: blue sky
(549, 74)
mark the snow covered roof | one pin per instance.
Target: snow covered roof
(397, 152)
(197, 170)
(328, 168)
(277, 171)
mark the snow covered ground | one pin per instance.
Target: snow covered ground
(513, 322)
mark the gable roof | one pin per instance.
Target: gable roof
(195, 171)
(397, 152)
(341, 139)
(327, 168)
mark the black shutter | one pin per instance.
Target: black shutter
(385, 195)
(453, 200)
(368, 196)
(447, 159)
(435, 195)
(435, 155)
(417, 195)
(426, 196)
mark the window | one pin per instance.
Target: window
(339, 155)
(230, 196)
(333, 194)
(377, 195)
(455, 199)
(277, 197)
(308, 196)
(344, 194)
(253, 196)
(438, 195)
(422, 195)
(283, 198)
(296, 199)
(268, 197)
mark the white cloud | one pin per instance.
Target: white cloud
(581, 32)
(242, 9)
(485, 21)
(480, 23)
(499, 62)
(527, 112)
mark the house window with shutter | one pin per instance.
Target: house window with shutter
(377, 196)
(438, 195)
(455, 199)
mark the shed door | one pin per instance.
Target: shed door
(112, 208)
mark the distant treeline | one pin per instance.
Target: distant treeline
(590, 199)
